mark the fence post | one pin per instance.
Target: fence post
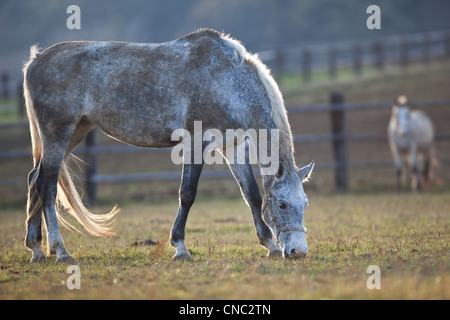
(91, 169)
(280, 64)
(339, 143)
(447, 44)
(357, 59)
(404, 53)
(5, 84)
(378, 50)
(332, 62)
(426, 49)
(306, 64)
(20, 100)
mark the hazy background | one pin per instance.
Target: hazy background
(260, 24)
(414, 61)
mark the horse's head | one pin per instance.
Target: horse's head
(283, 209)
(401, 112)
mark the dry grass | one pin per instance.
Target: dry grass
(405, 235)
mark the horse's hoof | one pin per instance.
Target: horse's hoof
(67, 258)
(183, 256)
(275, 254)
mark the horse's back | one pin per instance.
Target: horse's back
(138, 92)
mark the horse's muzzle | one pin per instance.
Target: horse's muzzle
(295, 253)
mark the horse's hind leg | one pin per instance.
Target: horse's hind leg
(53, 156)
(427, 169)
(33, 239)
(42, 182)
(55, 241)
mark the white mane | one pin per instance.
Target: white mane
(279, 113)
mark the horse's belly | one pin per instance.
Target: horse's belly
(143, 137)
(422, 129)
(143, 132)
(140, 125)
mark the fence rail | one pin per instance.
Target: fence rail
(338, 137)
(330, 57)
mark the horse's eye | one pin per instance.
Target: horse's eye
(282, 205)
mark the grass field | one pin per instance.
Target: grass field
(405, 235)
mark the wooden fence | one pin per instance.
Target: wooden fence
(332, 56)
(337, 136)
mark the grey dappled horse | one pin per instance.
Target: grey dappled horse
(139, 93)
(411, 136)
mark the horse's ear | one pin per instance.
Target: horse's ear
(306, 172)
(281, 171)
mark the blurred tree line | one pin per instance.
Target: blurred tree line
(260, 24)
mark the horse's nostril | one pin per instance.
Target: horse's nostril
(297, 253)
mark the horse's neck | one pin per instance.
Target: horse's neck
(277, 147)
(271, 154)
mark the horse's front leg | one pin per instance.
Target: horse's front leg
(398, 165)
(415, 179)
(243, 174)
(188, 190)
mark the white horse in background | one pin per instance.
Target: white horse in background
(411, 136)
